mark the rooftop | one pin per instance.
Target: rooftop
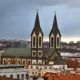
(6, 78)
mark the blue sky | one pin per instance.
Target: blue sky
(17, 18)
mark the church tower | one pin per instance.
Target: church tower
(55, 35)
(37, 42)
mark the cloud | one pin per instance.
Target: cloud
(32, 3)
(17, 17)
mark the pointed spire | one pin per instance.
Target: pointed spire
(55, 28)
(37, 27)
(37, 23)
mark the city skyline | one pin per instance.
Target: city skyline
(17, 18)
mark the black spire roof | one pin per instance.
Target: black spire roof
(55, 28)
(37, 27)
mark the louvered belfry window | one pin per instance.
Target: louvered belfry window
(52, 42)
(40, 41)
(34, 39)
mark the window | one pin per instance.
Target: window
(32, 72)
(22, 76)
(4, 61)
(11, 76)
(4, 75)
(26, 76)
(51, 41)
(45, 67)
(17, 76)
(40, 53)
(34, 53)
(23, 62)
(34, 62)
(19, 62)
(40, 41)
(29, 62)
(40, 62)
(34, 41)
(31, 67)
(36, 67)
(58, 41)
(45, 62)
(50, 68)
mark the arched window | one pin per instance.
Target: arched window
(23, 62)
(51, 41)
(19, 62)
(58, 42)
(4, 61)
(45, 62)
(29, 62)
(34, 39)
(40, 41)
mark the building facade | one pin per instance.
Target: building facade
(14, 71)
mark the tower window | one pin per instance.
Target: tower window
(58, 41)
(39, 41)
(34, 53)
(52, 42)
(40, 54)
(4, 61)
(34, 39)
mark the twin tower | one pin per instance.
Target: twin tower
(37, 37)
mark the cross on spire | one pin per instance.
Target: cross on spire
(37, 9)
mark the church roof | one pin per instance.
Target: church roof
(25, 52)
(37, 27)
(55, 28)
(56, 57)
(58, 60)
(17, 52)
(48, 53)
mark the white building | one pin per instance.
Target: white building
(14, 71)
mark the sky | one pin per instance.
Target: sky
(17, 18)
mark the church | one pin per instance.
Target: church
(37, 54)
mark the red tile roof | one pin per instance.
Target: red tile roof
(6, 78)
(61, 76)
